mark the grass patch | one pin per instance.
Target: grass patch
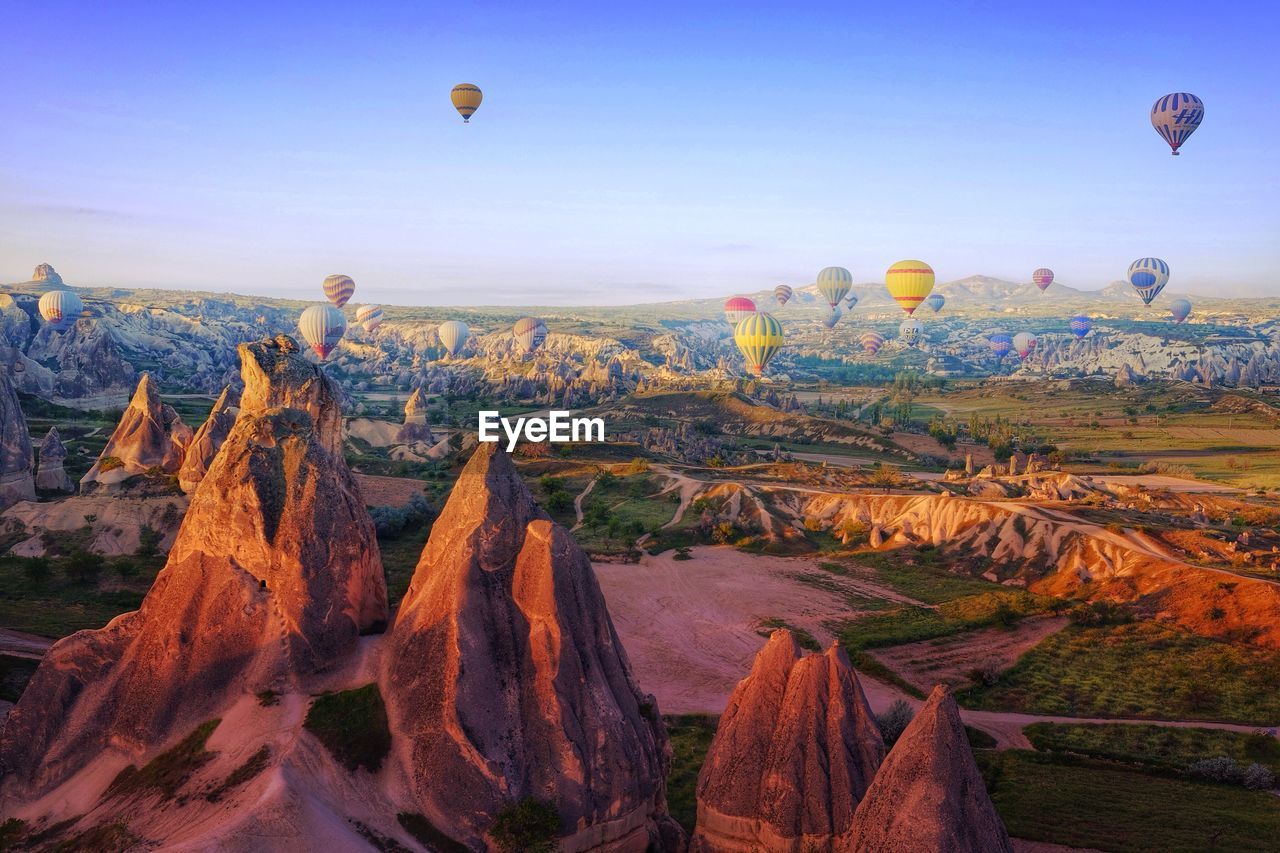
(252, 766)
(529, 826)
(1140, 671)
(400, 556)
(170, 770)
(425, 831)
(925, 580)
(1163, 747)
(806, 640)
(691, 736)
(352, 724)
(1085, 804)
(59, 595)
(910, 624)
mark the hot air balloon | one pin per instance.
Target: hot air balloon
(60, 309)
(851, 301)
(911, 332)
(466, 99)
(1148, 276)
(338, 289)
(1024, 343)
(935, 301)
(1080, 325)
(834, 283)
(782, 293)
(871, 342)
(1000, 343)
(453, 335)
(832, 317)
(1181, 309)
(322, 326)
(369, 316)
(530, 332)
(738, 309)
(760, 338)
(1176, 116)
(909, 282)
(1043, 277)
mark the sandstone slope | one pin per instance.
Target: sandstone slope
(208, 438)
(150, 436)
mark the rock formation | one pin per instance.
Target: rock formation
(16, 482)
(929, 794)
(51, 477)
(204, 445)
(505, 680)
(45, 274)
(415, 421)
(796, 749)
(150, 437)
(257, 592)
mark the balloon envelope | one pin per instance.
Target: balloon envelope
(1181, 309)
(738, 309)
(759, 337)
(909, 282)
(935, 301)
(782, 293)
(453, 336)
(834, 283)
(338, 289)
(1043, 277)
(60, 309)
(871, 342)
(1148, 276)
(322, 326)
(1000, 344)
(1176, 116)
(369, 316)
(530, 333)
(1080, 325)
(1024, 343)
(911, 332)
(833, 317)
(466, 99)
(851, 301)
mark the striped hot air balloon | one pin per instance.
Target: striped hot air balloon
(453, 336)
(530, 333)
(1176, 116)
(911, 332)
(909, 282)
(1148, 276)
(466, 99)
(1000, 344)
(60, 308)
(1024, 343)
(834, 283)
(338, 289)
(760, 338)
(738, 309)
(1180, 309)
(833, 317)
(871, 342)
(1042, 277)
(369, 316)
(935, 301)
(322, 327)
(782, 293)
(1080, 325)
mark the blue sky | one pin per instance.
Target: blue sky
(631, 152)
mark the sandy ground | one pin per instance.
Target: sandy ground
(388, 491)
(1160, 481)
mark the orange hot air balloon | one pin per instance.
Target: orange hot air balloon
(909, 282)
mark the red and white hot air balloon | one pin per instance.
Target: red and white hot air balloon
(1043, 277)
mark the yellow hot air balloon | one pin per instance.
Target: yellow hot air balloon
(466, 99)
(909, 282)
(760, 338)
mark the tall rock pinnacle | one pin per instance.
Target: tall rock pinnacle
(16, 463)
(150, 436)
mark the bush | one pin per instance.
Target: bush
(391, 521)
(36, 569)
(353, 726)
(1258, 778)
(83, 567)
(894, 721)
(109, 463)
(530, 826)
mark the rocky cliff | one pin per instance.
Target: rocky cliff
(208, 438)
(795, 751)
(150, 437)
(505, 679)
(51, 477)
(415, 426)
(16, 481)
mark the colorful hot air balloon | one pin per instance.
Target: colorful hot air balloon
(1000, 343)
(833, 317)
(1176, 116)
(760, 338)
(530, 333)
(782, 293)
(453, 335)
(834, 283)
(369, 316)
(1024, 343)
(60, 309)
(851, 301)
(338, 289)
(1043, 277)
(322, 326)
(1080, 325)
(1181, 309)
(871, 342)
(466, 99)
(738, 309)
(1148, 276)
(935, 301)
(911, 332)
(909, 282)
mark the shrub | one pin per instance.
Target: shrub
(391, 521)
(894, 721)
(529, 826)
(83, 567)
(353, 726)
(109, 463)
(36, 569)
(1256, 777)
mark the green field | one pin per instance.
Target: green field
(1163, 747)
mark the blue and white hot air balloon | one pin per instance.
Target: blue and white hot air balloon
(369, 316)
(911, 332)
(1000, 343)
(832, 317)
(1080, 325)
(1181, 309)
(1148, 276)
(935, 301)
(1176, 116)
